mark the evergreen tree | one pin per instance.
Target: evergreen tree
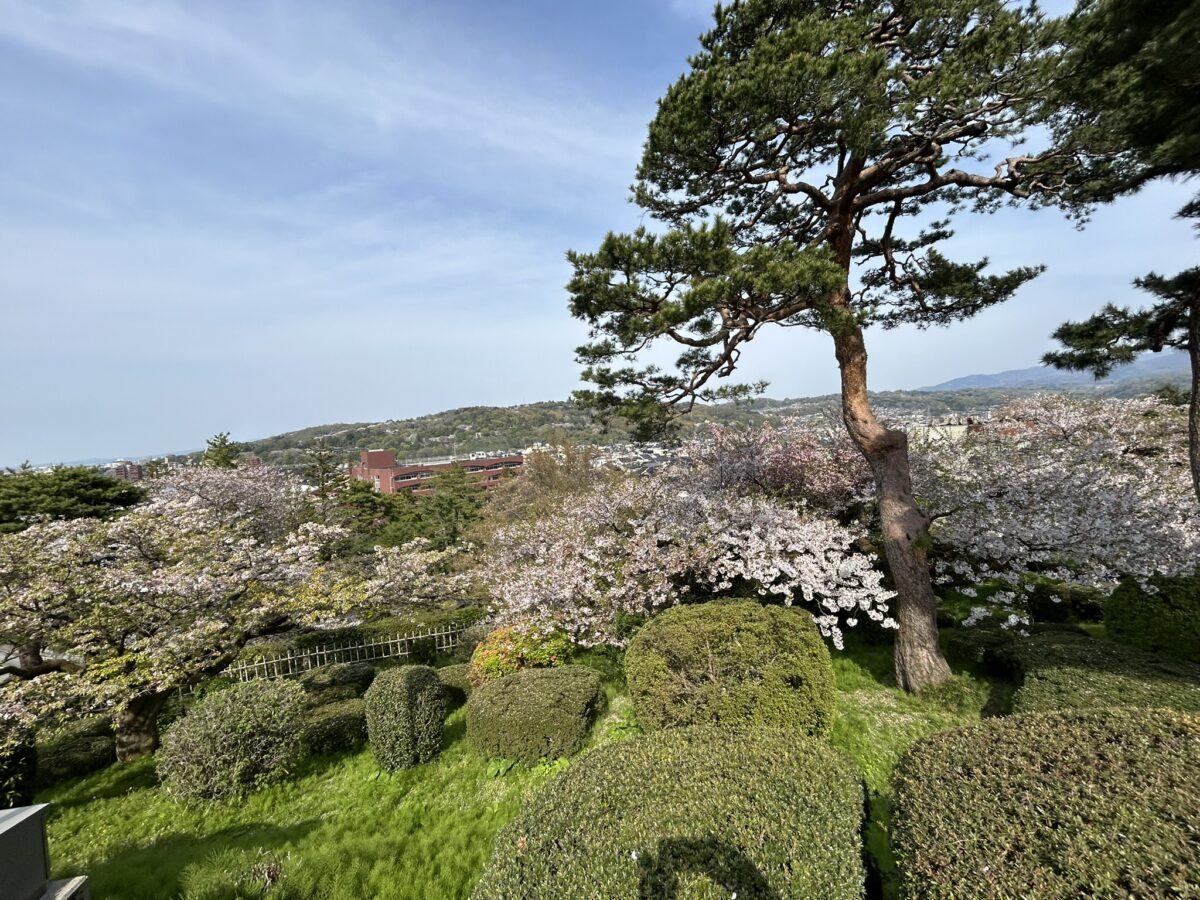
(222, 453)
(803, 143)
(453, 506)
(64, 492)
(326, 473)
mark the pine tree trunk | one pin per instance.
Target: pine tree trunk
(918, 657)
(29, 656)
(1194, 402)
(137, 726)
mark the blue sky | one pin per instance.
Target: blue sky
(255, 217)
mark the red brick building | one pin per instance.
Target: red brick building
(391, 477)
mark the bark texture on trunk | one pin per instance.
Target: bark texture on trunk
(1194, 403)
(137, 726)
(29, 656)
(918, 657)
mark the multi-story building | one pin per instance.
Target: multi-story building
(126, 470)
(391, 477)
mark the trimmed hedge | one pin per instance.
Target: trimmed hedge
(233, 741)
(336, 727)
(731, 663)
(507, 650)
(1062, 670)
(535, 713)
(456, 681)
(75, 750)
(1096, 803)
(1164, 622)
(18, 763)
(406, 715)
(689, 813)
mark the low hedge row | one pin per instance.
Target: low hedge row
(1070, 671)
(234, 740)
(75, 750)
(689, 813)
(335, 727)
(406, 715)
(1094, 803)
(1164, 620)
(534, 714)
(731, 663)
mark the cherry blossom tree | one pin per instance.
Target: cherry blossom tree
(161, 598)
(1084, 491)
(639, 544)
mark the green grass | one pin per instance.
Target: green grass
(339, 830)
(342, 830)
(876, 722)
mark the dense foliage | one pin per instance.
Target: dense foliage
(18, 761)
(456, 681)
(335, 727)
(64, 492)
(234, 741)
(695, 813)
(731, 663)
(406, 715)
(1163, 617)
(1099, 803)
(1062, 670)
(534, 714)
(507, 650)
(76, 749)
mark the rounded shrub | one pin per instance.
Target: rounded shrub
(535, 713)
(731, 663)
(689, 813)
(406, 715)
(18, 762)
(353, 677)
(507, 650)
(1064, 670)
(336, 727)
(455, 679)
(234, 740)
(1165, 621)
(1094, 803)
(75, 750)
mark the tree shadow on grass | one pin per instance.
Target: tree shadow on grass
(726, 866)
(117, 780)
(156, 869)
(456, 730)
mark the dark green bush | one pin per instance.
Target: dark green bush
(234, 741)
(454, 679)
(1056, 601)
(406, 715)
(1164, 622)
(1095, 803)
(1063, 670)
(534, 713)
(18, 763)
(333, 684)
(75, 750)
(689, 813)
(731, 663)
(973, 643)
(336, 727)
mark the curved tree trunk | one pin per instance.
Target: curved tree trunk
(1194, 402)
(29, 656)
(137, 726)
(919, 659)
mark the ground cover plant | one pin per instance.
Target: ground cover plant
(1097, 803)
(689, 812)
(535, 714)
(731, 663)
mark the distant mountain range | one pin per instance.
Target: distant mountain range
(1162, 368)
(478, 428)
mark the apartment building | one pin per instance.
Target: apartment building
(390, 476)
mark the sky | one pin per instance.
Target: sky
(259, 216)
